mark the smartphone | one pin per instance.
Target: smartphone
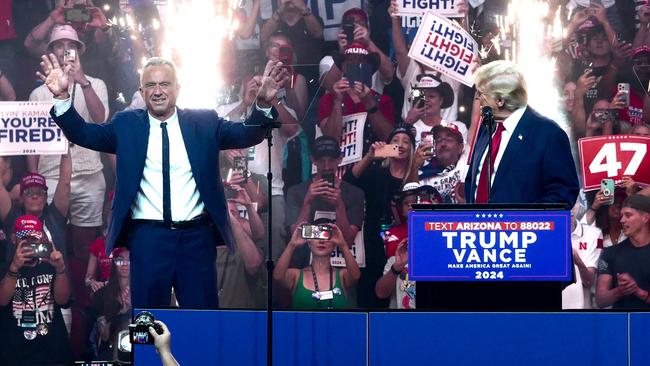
(387, 151)
(348, 28)
(607, 186)
(70, 56)
(625, 88)
(427, 137)
(285, 54)
(329, 177)
(77, 14)
(604, 115)
(39, 249)
(320, 232)
(240, 164)
(358, 72)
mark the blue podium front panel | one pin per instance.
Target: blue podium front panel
(503, 339)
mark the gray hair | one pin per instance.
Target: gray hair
(502, 79)
(158, 61)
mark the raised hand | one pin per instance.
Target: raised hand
(271, 82)
(55, 77)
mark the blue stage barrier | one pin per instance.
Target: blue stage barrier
(640, 339)
(224, 338)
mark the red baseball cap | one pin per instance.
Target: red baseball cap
(32, 180)
(28, 226)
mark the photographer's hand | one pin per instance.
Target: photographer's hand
(56, 260)
(162, 342)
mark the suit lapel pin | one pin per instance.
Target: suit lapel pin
(521, 137)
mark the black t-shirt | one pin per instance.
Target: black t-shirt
(379, 187)
(34, 290)
(309, 50)
(626, 258)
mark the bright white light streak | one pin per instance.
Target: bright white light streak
(528, 51)
(194, 33)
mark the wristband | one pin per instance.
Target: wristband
(85, 86)
(13, 274)
(395, 272)
(372, 110)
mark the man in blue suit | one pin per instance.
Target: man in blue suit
(169, 204)
(532, 155)
(532, 164)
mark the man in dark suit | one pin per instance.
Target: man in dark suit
(532, 155)
(169, 204)
(532, 164)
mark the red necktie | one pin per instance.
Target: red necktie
(482, 190)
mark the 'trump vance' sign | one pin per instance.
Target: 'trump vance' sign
(496, 246)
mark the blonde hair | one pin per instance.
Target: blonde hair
(387, 161)
(502, 80)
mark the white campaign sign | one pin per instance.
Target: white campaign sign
(418, 7)
(26, 128)
(446, 47)
(352, 137)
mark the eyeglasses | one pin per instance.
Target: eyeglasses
(122, 262)
(34, 192)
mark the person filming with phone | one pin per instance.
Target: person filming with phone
(325, 196)
(319, 285)
(380, 182)
(353, 94)
(32, 291)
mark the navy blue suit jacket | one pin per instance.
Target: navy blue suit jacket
(536, 167)
(127, 136)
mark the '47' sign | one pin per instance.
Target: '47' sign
(614, 156)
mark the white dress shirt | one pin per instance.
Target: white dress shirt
(185, 198)
(509, 126)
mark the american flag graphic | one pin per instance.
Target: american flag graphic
(24, 300)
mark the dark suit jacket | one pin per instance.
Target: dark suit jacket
(127, 136)
(536, 167)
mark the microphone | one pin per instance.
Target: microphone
(488, 116)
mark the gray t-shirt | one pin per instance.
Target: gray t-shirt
(352, 196)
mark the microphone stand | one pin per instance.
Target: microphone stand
(488, 121)
(269, 255)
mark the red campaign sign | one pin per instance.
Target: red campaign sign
(614, 156)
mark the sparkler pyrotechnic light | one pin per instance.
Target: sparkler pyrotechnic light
(194, 36)
(527, 38)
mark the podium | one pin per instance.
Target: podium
(495, 257)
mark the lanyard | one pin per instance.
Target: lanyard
(313, 273)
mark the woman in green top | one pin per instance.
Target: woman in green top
(318, 286)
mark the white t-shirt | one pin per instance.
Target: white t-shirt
(404, 295)
(410, 78)
(84, 161)
(445, 181)
(585, 239)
